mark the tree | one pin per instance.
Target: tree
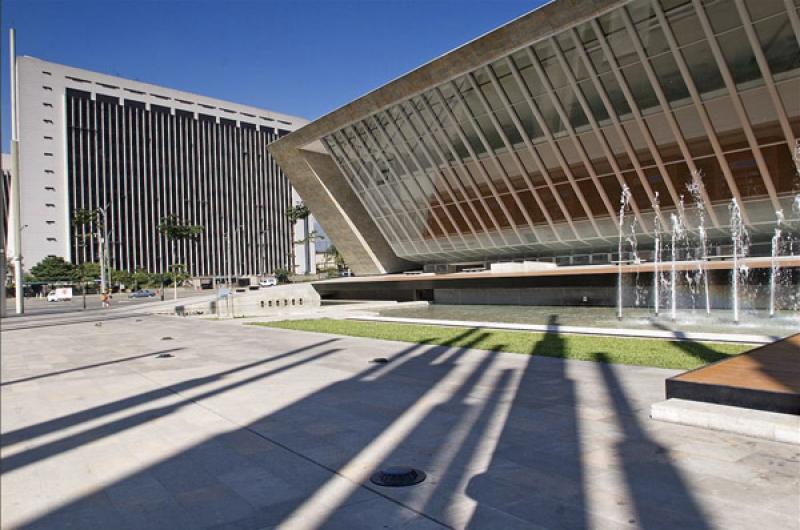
(141, 278)
(282, 275)
(311, 238)
(83, 273)
(332, 253)
(296, 213)
(176, 230)
(122, 277)
(83, 220)
(88, 271)
(53, 269)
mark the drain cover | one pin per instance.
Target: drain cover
(164, 355)
(380, 360)
(398, 476)
(166, 338)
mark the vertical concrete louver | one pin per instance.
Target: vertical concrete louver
(145, 152)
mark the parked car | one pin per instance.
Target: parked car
(142, 293)
(62, 294)
(268, 282)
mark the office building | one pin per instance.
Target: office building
(139, 153)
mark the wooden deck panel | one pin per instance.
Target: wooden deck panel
(765, 378)
(773, 367)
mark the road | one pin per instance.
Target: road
(40, 306)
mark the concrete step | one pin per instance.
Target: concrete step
(756, 423)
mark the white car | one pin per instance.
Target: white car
(60, 295)
(268, 282)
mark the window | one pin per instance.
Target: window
(49, 122)
(779, 44)
(49, 188)
(48, 154)
(50, 222)
(702, 67)
(51, 239)
(50, 205)
(47, 88)
(108, 100)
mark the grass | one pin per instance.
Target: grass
(642, 352)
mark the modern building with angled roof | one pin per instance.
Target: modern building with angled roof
(518, 144)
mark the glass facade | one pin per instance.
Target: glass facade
(529, 153)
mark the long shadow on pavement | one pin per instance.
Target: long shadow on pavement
(661, 498)
(501, 443)
(94, 413)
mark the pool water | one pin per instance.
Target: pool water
(719, 321)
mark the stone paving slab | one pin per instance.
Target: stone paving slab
(252, 428)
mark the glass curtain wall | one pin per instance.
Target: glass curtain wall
(529, 154)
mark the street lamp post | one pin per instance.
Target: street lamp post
(15, 219)
(103, 237)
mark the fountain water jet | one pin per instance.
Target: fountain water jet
(739, 238)
(775, 268)
(696, 191)
(624, 199)
(677, 232)
(656, 254)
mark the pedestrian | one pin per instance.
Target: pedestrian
(104, 298)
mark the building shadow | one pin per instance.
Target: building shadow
(499, 437)
(661, 498)
(88, 367)
(534, 478)
(346, 417)
(95, 413)
(698, 350)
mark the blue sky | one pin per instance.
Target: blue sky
(301, 57)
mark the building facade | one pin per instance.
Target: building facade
(139, 153)
(519, 144)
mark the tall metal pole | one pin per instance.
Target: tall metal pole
(15, 220)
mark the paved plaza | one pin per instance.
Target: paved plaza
(147, 422)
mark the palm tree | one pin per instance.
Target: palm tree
(176, 230)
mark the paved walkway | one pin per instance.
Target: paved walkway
(245, 427)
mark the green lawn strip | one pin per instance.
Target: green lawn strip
(642, 352)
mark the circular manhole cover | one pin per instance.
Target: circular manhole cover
(398, 476)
